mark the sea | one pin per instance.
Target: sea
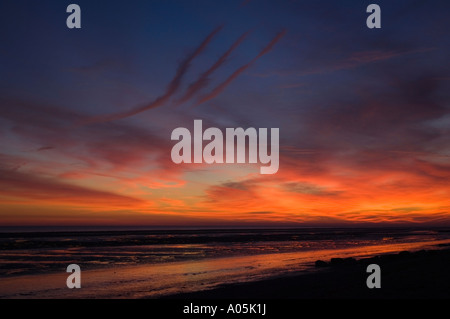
(137, 262)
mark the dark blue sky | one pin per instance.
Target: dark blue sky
(348, 100)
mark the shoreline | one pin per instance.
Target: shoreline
(404, 274)
(423, 274)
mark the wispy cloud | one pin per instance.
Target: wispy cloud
(203, 80)
(244, 3)
(33, 187)
(111, 149)
(170, 91)
(358, 59)
(216, 91)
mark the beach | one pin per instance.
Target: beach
(417, 275)
(242, 264)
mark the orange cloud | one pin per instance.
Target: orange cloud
(34, 188)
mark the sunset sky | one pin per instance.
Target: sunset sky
(86, 115)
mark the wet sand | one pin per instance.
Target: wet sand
(422, 275)
(419, 274)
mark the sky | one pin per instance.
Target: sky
(86, 115)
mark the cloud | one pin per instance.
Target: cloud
(33, 187)
(245, 185)
(45, 148)
(328, 186)
(170, 91)
(203, 80)
(360, 58)
(216, 91)
(308, 189)
(200, 83)
(244, 3)
(292, 85)
(108, 149)
(365, 119)
(260, 213)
